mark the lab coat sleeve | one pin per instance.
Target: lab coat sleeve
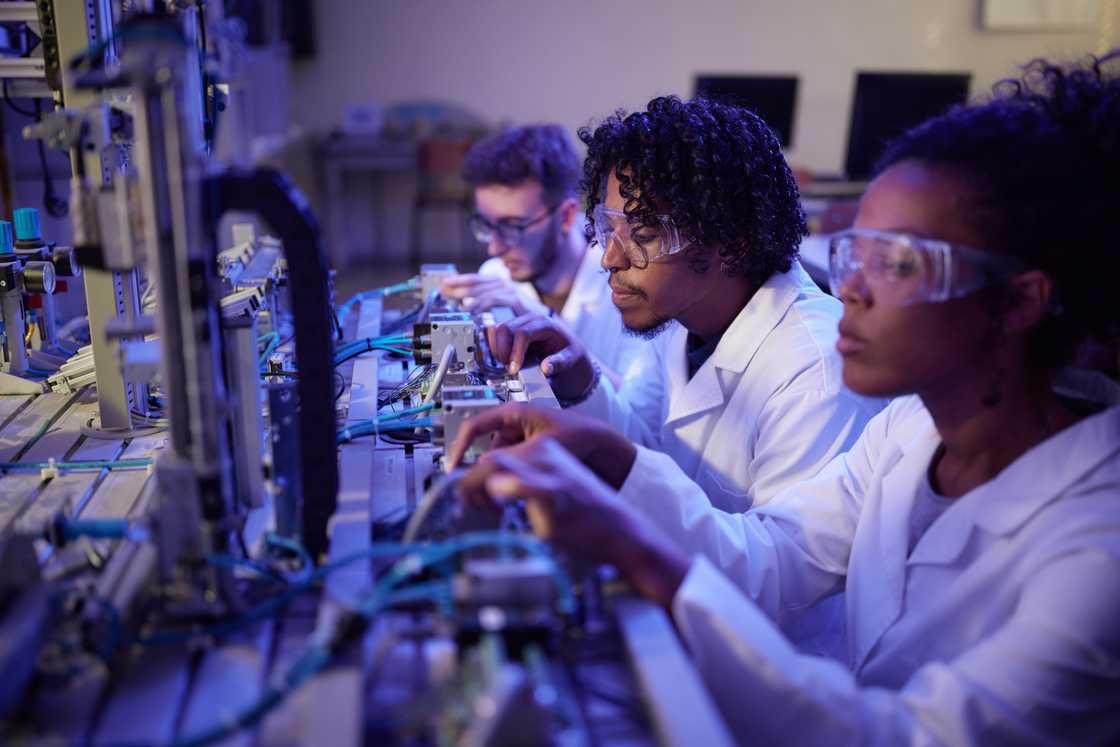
(635, 408)
(1048, 675)
(784, 556)
(798, 433)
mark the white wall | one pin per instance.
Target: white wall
(573, 61)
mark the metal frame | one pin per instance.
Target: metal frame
(109, 295)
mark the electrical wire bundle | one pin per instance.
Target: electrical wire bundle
(391, 344)
(409, 285)
(337, 633)
(413, 384)
(404, 420)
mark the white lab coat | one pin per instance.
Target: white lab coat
(1001, 626)
(588, 312)
(768, 408)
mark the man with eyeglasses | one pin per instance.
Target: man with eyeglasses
(528, 215)
(700, 223)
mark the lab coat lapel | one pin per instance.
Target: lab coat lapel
(688, 397)
(877, 574)
(740, 342)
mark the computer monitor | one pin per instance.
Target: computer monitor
(772, 97)
(887, 104)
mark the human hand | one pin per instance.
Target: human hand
(534, 337)
(478, 293)
(570, 507)
(604, 450)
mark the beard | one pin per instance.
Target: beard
(545, 256)
(649, 331)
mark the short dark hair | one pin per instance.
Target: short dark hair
(717, 170)
(1041, 158)
(542, 152)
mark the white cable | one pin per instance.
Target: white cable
(437, 380)
(427, 502)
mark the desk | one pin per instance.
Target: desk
(365, 154)
(371, 693)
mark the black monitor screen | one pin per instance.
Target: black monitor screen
(772, 97)
(888, 104)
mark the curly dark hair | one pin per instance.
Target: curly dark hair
(543, 152)
(717, 170)
(1041, 157)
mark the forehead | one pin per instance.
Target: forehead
(612, 199)
(921, 200)
(497, 201)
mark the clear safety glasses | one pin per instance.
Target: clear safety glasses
(510, 231)
(640, 244)
(899, 269)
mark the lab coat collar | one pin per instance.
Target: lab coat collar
(758, 319)
(1039, 477)
(706, 389)
(1002, 505)
(1016, 494)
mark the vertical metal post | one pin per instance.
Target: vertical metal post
(108, 294)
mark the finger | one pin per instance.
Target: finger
(526, 472)
(452, 287)
(516, 476)
(511, 422)
(485, 300)
(532, 329)
(482, 423)
(560, 362)
(472, 484)
(461, 281)
(501, 337)
(500, 340)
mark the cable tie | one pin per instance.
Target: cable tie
(50, 471)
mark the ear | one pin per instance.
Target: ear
(1030, 302)
(568, 210)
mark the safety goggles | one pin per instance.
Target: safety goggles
(640, 244)
(898, 269)
(510, 231)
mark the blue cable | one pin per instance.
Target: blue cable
(269, 350)
(389, 290)
(355, 349)
(87, 464)
(368, 428)
(318, 655)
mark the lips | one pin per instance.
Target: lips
(849, 342)
(621, 296)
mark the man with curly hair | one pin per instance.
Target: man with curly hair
(525, 182)
(700, 223)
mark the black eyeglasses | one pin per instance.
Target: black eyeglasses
(510, 231)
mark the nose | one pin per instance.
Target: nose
(614, 259)
(495, 247)
(853, 289)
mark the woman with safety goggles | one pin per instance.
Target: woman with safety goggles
(975, 526)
